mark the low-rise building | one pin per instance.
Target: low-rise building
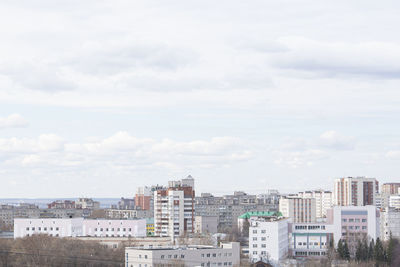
(206, 224)
(111, 228)
(51, 226)
(77, 227)
(128, 214)
(228, 254)
(268, 239)
(310, 239)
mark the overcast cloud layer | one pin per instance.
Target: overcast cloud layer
(100, 97)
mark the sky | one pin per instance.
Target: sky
(100, 97)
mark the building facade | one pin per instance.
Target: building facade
(323, 201)
(300, 210)
(174, 209)
(50, 226)
(206, 224)
(390, 223)
(228, 254)
(310, 240)
(390, 188)
(268, 239)
(355, 191)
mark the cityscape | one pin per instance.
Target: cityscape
(186, 133)
(170, 225)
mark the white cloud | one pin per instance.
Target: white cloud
(334, 140)
(394, 155)
(13, 121)
(298, 159)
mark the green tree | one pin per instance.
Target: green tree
(379, 253)
(340, 249)
(364, 254)
(371, 250)
(346, 251)
(359, 251)
(390, 249)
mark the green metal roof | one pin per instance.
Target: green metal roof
(249, 214)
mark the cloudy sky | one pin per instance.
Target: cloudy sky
(100, 97)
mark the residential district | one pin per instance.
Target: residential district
(169, 225)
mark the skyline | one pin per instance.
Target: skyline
(99, 98)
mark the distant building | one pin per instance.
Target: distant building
(128, 214)
(150, 226)
(390, 188)
(355, 191)
(228, 254)
(126, 204)
(300, 210)
(394, 201)
(87, 203)
(62, 204)
(268, 239)
(206, 224)
(323, 201)
(390, 223)
(144, 198)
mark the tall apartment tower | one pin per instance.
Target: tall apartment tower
(143, 197)
(300, 210)
(174, 209)
(355, 191)
(323, 200)
(390, 188)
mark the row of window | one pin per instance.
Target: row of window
(112, 229)
(354, 220)
(262, 231)
(262, 238)
(40, 228)
(310, 253)
(262, 245)
(309, 227)
(208, 255)
(356, 227)
(311, 243)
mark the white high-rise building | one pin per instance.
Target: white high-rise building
(394, 201)
(268, 239)
(174, 209)
(390, 223)
(300, 210)
(355, 191)
(323, 201)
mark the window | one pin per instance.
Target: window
(182, 256)
(45, 229)
(145, 256)
(162, 256)
(33, 228)
(51, 228)
(175, 256)
(27, 228)
(254, 238)
(208, 255)
(40, 228)
(364, 227)
(364, 220)
(254, 245)
(263, 231)
(344, 220)
(357, 220)
(214, 255)
(254, 252)
(351, 220)
(263, 238)
(254, 231)
(124, 229)
(101, 229)
(202, 255)
(263, 245)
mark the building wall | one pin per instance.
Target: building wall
(390, 223)
(394, 201)
(110, 228)
(268, 240)
(390, 188)
(226, 255)
(355, 191)
(309, 240)
(298, 209)
(206, 224)
(51, 226)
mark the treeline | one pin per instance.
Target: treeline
(381, 253)
(46, 251)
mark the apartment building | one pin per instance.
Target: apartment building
(9, 212)
(390, 188)
(206, 224)
(174, 209)
(355, 191)
(394, 201)
(268, 239)
(228, 208)
(128, 214)
(323, 201)
(228, 254)
(87, 203)
(300, 210)
(390, 223)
